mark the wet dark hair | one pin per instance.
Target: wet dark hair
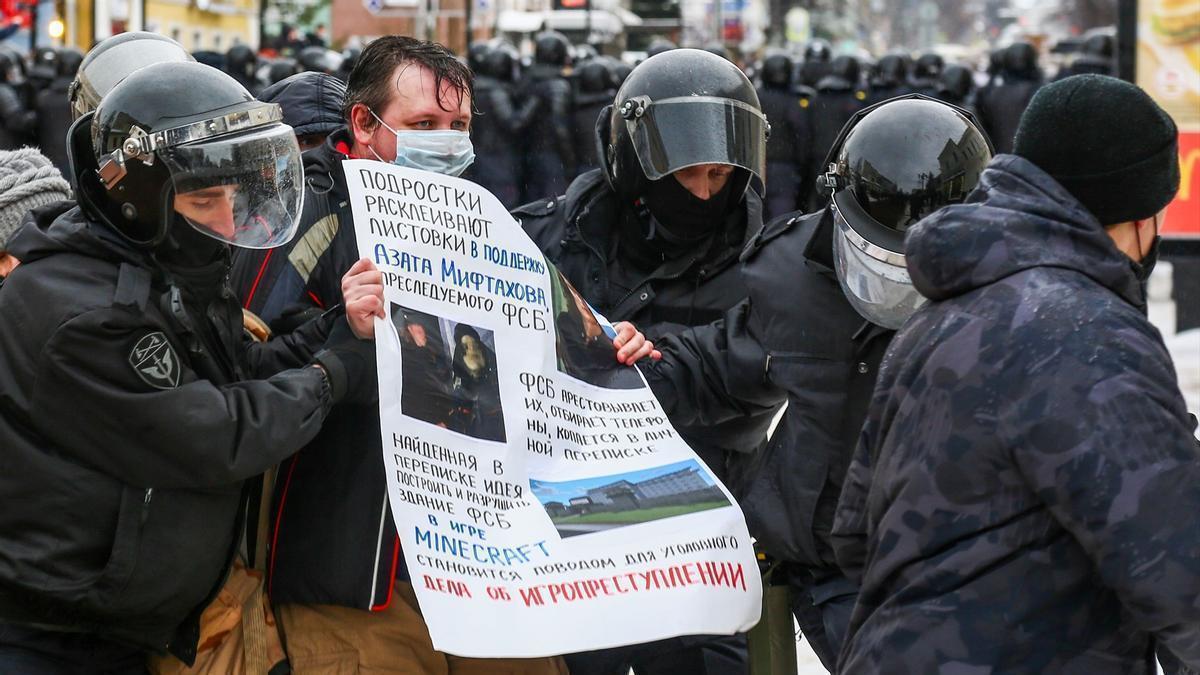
(371, 82)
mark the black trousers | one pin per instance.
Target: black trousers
(822, 603)
(29, 651)
(688, 655)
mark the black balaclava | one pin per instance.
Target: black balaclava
(682, 220)
(196, 261)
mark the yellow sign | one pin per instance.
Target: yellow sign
(1168, 58)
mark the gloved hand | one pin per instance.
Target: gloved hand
(349, 365)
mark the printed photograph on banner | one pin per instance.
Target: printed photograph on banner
(584, 347)
(449, 376)
(603, 503)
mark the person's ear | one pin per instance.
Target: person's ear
(362, 124)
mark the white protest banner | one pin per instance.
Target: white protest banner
(543, 502)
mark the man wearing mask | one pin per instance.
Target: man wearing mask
(826, 292)
(135, 410)
(1023, 497)
(653, 237)
(336, 572)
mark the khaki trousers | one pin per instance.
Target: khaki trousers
(330, 640)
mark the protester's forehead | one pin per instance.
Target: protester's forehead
(415, 92)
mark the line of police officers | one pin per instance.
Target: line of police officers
(667, 232)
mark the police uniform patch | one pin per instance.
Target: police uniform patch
(155, 361)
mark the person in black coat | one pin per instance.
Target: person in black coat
(549, 159)
(649, 241)
(1000, 106)
(839, 96)
(1022, 498)
(54, 110)
(17, 121)
(813, 331)
(790, 142)
(889, 78)
(597, 86)
(135, 408)
(499, 129)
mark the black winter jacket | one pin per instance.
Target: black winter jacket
(126, 436)
(550, 131)
(578, 232)
(796, 337)
(1024, 498)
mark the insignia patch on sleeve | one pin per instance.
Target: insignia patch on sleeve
(155, 361)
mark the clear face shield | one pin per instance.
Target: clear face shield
(244, 190)
(676, 133)
(874, 279)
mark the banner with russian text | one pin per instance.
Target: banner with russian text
(543, 501)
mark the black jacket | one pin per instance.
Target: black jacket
(17, 122)
(1024, 498)
(1000, 108)
(333, 538)
(796, 337)
(550, 131)
(127, 433)
(53, 121)
(578, 233)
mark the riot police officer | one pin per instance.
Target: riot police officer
(791, 135)
(136, 411)
(54, 109)
(242, 65)
(549, 160)
(497, 130)
(17, 120)
(839, 96)
(826, 291)
(1000, 106)
(653, 237)
(926, 74)
(889, 78)
(597, 86)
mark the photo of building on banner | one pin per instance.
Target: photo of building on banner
(544, 503)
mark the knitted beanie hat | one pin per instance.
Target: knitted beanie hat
(28, 180)
(1107, 142)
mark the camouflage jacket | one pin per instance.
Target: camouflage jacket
(1025, 494)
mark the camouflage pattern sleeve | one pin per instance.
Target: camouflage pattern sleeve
(1110, 454)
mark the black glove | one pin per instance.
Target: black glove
(349, 365)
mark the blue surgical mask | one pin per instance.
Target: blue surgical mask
(447, 152)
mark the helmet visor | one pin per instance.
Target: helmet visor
(676, 133)
(245, 190)
(881, 292)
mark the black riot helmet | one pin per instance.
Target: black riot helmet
(552, 48)
(1021, 61)
(11, 68)
(477, 55)
(181, 148)
(891, 71)
(595, 77)
(45, 64)
(113, 59)
(320, 60)
(893, 164)
(503, 63)
(818, 50)
(929, 67)
(1100, 46)
(620, 70)
(846, 68)
(69, 60)
(682, 108)
(281, 69)
(955, 84)
(777, 71)
(241, 62)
